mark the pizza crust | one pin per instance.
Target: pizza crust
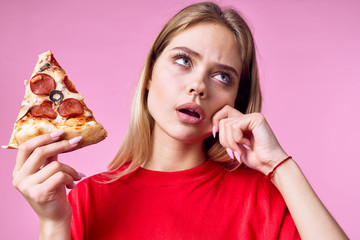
(92, 132)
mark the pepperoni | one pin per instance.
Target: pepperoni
(44, 110)
(70, 107)
(42, 83)
(69, 85)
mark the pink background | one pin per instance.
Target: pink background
(310, 75)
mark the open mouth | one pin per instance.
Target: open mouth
(190, 112)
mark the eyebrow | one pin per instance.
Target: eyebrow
(197, 55)
(188, 51)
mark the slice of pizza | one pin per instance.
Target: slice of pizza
(52, 103)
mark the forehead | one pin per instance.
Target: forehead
(212, 41)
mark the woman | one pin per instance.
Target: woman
(195, 119)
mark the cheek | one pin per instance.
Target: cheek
(228, 98)
(164, 82)
(220, 100)
(162, 89)
(232, 100)
(232, 96)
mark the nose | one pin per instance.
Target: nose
(198, 87)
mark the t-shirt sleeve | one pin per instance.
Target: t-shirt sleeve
(286, 228)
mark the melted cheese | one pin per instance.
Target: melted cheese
(58, 74)
(31, 126)
(87, 113)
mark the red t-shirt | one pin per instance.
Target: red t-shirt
(205, 202)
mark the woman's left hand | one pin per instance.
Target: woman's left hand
(310, 216)
(248, 138)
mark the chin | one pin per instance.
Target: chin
(193, 137)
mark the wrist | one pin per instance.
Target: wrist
(55, 229)
(274, 161)
(269, 175)
(286, 171)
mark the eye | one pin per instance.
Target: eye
(223, 77)
(182, 60)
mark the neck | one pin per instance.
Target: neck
(168, 154)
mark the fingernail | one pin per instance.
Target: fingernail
(75, 140)
(81, 175)
(214, 131)
(229, 151)
(237, 156)
(246, 147)
(56, 134)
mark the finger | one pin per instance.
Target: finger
(230, 139)
(225, 112)
(231, 136)
(40, 154)
(51, 169)
(250, 121)
(51, 159)
(240, 156)
(222, 138)
(29, 146)
(238, 141)
(225, 137)
(56, 181)
(226, 132)
(239, 136)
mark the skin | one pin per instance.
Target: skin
(196, 77)
(188, 66)
(177, 145)
(41, 179)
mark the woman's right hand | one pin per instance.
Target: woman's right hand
(41, 179)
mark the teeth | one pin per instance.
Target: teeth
(190, 110)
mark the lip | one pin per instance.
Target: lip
(190, 119)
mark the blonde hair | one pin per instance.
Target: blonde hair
(136, 144)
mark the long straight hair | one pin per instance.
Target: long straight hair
(135, 147)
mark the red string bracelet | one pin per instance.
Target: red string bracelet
(268, 177)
